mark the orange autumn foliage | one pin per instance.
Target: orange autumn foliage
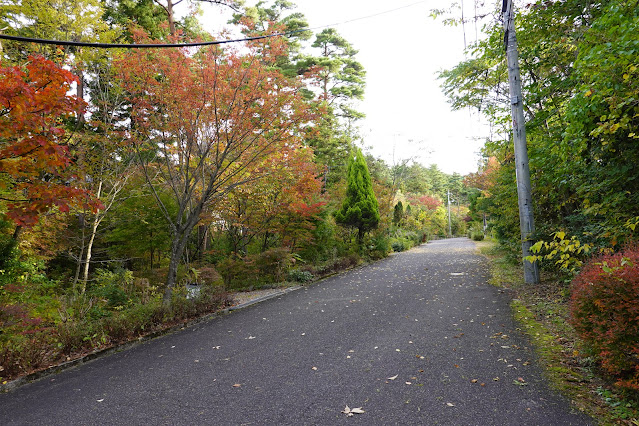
(34, 155)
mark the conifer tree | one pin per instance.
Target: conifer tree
(360, 208)
(398, 213)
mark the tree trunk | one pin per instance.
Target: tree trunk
(16, 233)
(78, 268)
(169, 10)
(94, 230)
(87, 260)
(178, 245)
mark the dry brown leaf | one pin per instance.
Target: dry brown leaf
(350, 411)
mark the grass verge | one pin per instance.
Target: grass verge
(543, 314)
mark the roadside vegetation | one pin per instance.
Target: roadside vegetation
(579, 62)
(569, 362)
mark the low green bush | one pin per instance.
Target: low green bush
(300, 276)
(477, 236)
(21, 353)
(398, 245)
(380, 246)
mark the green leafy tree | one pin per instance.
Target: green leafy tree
(579, 67)
(278, 16)
(360, 209)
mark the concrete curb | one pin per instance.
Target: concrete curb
(53, 370)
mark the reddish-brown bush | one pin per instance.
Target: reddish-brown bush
(605, 313)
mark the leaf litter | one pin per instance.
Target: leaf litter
(351, 411)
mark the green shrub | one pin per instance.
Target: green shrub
(380, 246)
(21, 353)
(398, 245)
(111, 286)
(605, 313)
(300, 276)
(236, 272)
(405, 240)
(477, 236)
(78, 334)
(273, 264)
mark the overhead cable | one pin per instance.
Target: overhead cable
(139, 46)
(200, 43)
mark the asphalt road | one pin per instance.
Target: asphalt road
(419, 338)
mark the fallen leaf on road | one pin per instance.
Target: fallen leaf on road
(237, 385)
(450, 404)
(408, 383)
(251, 337)
(393, 378)
(350, 411)
(313, 368)
(473, 381)
(100, 400)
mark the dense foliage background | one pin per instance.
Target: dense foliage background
(138, 187)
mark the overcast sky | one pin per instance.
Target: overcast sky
(402, 50)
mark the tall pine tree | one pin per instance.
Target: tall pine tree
(360, 208)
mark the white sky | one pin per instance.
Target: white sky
(401, 52)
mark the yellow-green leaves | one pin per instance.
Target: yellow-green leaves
(567, 253)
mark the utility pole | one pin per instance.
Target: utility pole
(450, 226)
(524, 193)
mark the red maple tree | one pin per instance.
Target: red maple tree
(34, 156)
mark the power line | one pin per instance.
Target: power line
(385, 12)
(201, 43)
(140, 46)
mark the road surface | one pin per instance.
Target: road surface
(418, 338)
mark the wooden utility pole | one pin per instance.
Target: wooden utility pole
(450, 226)
(524, 193)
